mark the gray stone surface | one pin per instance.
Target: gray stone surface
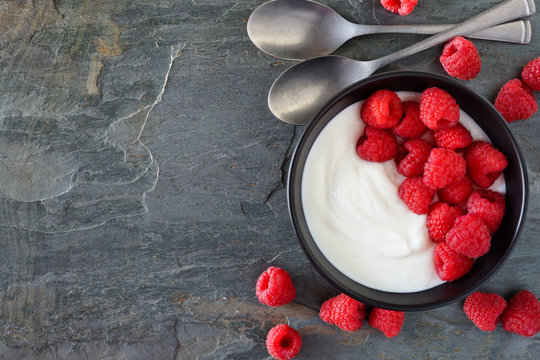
(142, 186)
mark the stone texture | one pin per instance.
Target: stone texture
(142, 186)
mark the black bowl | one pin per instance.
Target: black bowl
(494, 125)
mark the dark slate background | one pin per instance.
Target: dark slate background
(142, 183)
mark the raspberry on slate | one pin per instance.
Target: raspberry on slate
(401, 7)
(388, 321)
(484, 163)
(515, 101)
(522, 315)
(412, 156)
(376, 145)
(450, 265)
(275, 287)
(457, 192)
(460, 59)
(440, 219)
(489, 206)
(344, 312)
(456, 137)
(283, 342)
(382, 109)
(469, 236)
(443, 167)
(438, 109)
(410, 126)
(531, 74)
(416, 195)
(484, 309)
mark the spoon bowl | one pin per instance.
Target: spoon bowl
(297, 30)
(299, 92)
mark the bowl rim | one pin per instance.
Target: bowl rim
(295, 174)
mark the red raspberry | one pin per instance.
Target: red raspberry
(531, 74)
(283, 342)
(522, 315)
(440, 219)
(456, 137)
(343, 311)
(460, 59)
(438, 109)
(450, 265)
(376, 145)
(469, 236)
(443, 167)
(388, 321)
(401, 7)
(457, 192)
(275, 287)
(484, 163)
(382, 109)
(410, 126)
(515, 101)
(412, 156)
(484, 309)
(416, 195)
(489, 206)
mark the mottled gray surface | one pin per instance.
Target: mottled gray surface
(142, 186)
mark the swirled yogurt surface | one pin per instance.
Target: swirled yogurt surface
(355, 215)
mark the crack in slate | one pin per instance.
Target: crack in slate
(283, 179)
(174, 55)
(178, 343)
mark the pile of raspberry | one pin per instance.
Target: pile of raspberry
(275, 288)
(447, 173)
(521, 315)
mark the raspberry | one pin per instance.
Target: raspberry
(522, 315)
(457, 192)
(275, 287)
(515, 101)
(443, 167)
(410, 126)
(283, 342)
(531, 74)
(460, 59)
(440, 219)
(382, 109)
(489, 206)
(484, 309)
(376, 145)
(416, 195)
(456, 137)
(388, 321)
(469, 236)
(450, 265)
(343, 311)
(401, 7)
(412, 156)
(438, 109)
(484, 163)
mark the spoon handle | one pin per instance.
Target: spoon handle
(505, 11)
(515, 32)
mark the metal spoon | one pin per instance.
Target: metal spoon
(301, 29)
(303, 90)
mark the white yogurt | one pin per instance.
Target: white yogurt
(355, 215)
